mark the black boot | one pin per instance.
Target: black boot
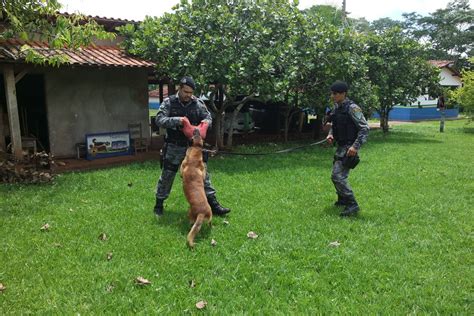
(351, 209)
(158, 209)
(217, 209)
(340, 201)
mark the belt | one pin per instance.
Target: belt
(182, 143)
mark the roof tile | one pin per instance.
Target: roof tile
(103, 56)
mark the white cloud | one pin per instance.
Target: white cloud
(138, 9)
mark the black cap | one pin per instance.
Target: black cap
(188, 81)
(339, 86)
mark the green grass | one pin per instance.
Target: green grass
(408, 252)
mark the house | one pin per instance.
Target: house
(101, 90)
(424, 108)
(449, 76)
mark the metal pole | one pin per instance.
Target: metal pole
(443, 118)
(344, 10)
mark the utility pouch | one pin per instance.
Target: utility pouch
(350, 162)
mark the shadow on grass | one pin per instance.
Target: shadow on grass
(179, 220)
(468, 130)
(335, 211)
(401, 137)
(318, 156)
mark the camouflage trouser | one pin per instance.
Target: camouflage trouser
(172, 161)
(340, 176)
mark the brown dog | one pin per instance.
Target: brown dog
(193, 172)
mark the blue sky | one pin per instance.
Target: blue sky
(138, 9)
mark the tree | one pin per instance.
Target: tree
(338, 52)
(464, 96)
(383, 24)
(398, 70)
(449, 31)
(231, 48)
(326, 13)
(41, 20)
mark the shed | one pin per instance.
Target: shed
(101, 89)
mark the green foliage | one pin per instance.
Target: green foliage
(448, 32)
(234, 44)
(384, 24)
(266, 47)
(464, 95)
(327, 13)
(398, 69)
(41, 20)
(409, 250)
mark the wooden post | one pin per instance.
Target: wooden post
(12, 107)
(161, 92)
(443, 118)
(3, 146)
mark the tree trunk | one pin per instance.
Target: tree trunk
(317, 127)
(384, 120)
(171, 88)
(230, 132)
(238, 107)
(219, 119)
(287, 123)
(301, 122)
(218, 111)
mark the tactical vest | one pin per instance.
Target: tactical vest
(178, 110)
(344, 129)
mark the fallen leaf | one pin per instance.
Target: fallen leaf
(334, 244)
(142, 281)
(71, 210)
(130, 184)
(226, 222)
(109, 288)
(109, 255)
(45, 227)
(60, 163)
(252, 235)
(2, 287)
(213, 242)
(58, 245)
(103, 236)
(192, 284)
(201, 304)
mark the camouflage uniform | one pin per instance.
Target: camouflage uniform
(340, 173)
(176, 145)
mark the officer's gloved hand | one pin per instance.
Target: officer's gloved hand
(183, 121)
(330, 139)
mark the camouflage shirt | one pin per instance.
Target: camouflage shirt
(163, 118)
(357, 116)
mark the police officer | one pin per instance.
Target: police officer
(170, 116)
(350, 130)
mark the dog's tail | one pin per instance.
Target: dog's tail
(195, 229)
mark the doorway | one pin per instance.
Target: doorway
(32, 109)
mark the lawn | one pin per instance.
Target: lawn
(409, 251)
